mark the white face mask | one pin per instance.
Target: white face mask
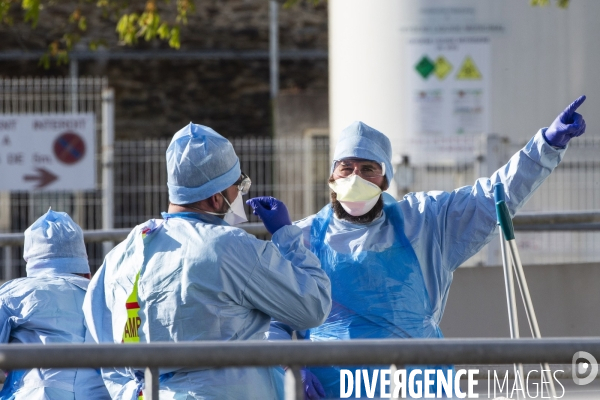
(236, 213)
(356, 195)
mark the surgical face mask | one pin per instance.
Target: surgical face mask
(356, 195)
(236, 213)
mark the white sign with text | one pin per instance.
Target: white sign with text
(47, 152)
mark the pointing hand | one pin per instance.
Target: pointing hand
(566, 126)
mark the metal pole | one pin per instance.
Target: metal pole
(294, 389)
(151, 384)
(274, 47)
(308, 175)
(215, 354)
(112, 235)
(489, 159)
(8, 268)
(529, 307)
(74, 72)
(108, 139)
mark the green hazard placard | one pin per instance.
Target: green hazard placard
(425, 67)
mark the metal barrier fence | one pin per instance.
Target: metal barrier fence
(295, 170)
(581, 221)
(295, 354)
(578, 221)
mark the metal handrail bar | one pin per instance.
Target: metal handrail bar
(308, 54)
(558, 221)
(263, 353)
(294, 354)
(529, 221)
(563, 217)
(114, 235)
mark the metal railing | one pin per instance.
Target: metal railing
(114, 235)
(294, 354)
(563, 221)
(575, 221)
(566, 221)
(296, 171)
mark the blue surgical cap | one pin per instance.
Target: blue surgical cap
(54, 243)
(200, 163)
(359, 140)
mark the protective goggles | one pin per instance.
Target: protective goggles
(243, 184)
(361, 167)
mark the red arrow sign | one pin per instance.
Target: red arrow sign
(44, 177)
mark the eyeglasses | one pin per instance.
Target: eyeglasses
(364, 168)
(243, 184)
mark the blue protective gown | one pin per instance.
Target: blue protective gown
(391, 277)
(46, 308)
(201, 279)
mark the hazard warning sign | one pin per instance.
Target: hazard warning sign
(468, 70)
(448, 89)
(442, 67)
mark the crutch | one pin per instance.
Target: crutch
(509, 285)
(510, 254)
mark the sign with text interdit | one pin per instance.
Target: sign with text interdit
(47, 152)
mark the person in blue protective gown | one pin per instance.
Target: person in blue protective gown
(193, 276)
(45, 308)
(391, 262)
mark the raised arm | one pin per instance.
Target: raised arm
(464, 220)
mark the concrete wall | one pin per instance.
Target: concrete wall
(566, 299)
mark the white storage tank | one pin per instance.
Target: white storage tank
(428, 72)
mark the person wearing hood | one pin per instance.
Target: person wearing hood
(45, 308)
(391, 262)
(193, 276)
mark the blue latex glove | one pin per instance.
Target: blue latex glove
(566, 126)
(272, 212)
(313, 390)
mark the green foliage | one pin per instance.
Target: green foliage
(5, 18)
(133, 22)
(32, 11)
(560, 3)
(291, 3)
(96, 43)
(174, 38)
(126, 28)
